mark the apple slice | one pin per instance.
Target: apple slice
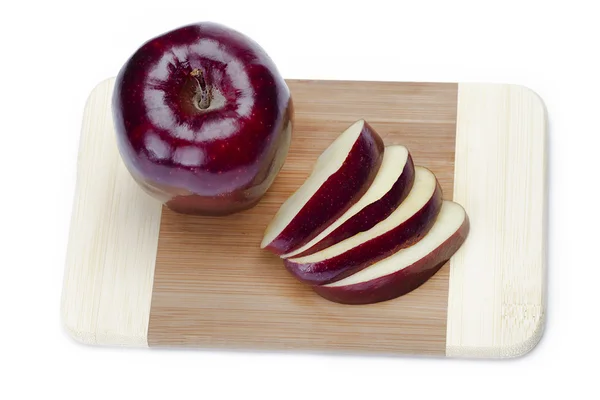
(340, 176)
(407, 269)
(411, 220)
(390, 187)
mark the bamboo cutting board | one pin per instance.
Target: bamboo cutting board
(138, 274)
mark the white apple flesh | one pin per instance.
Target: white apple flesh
(390, 187)
(409, 222)
(340, 177)
(407, 269)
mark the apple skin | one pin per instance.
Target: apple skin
(401, 282)
(341, 190)
(372, 214)
(368, 253)
(217, 156)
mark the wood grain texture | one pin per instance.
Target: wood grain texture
(112, 240)
(214, 287)
(497, 280)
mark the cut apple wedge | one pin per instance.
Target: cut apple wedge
(409, 222)
(407, 269)
(392, 184)
(340, 176)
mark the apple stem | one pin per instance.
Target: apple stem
(203, 93)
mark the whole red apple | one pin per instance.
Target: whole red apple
(203, 119)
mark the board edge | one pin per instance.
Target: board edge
(510, 99)
(96, 307)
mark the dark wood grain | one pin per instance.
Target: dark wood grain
(215, 288)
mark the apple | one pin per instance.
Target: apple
(407, 269)
(203, 119)
(409, 222)
(390, 187)
(339, 178)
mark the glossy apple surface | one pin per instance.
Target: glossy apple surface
(340, 176)
(408, 268)
(392, 184)
(203, 119)
(411, 220)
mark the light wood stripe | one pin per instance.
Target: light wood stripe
(496, 296)
(113, 239)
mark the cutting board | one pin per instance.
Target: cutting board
(138, 274)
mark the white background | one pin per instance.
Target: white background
(53, 53)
